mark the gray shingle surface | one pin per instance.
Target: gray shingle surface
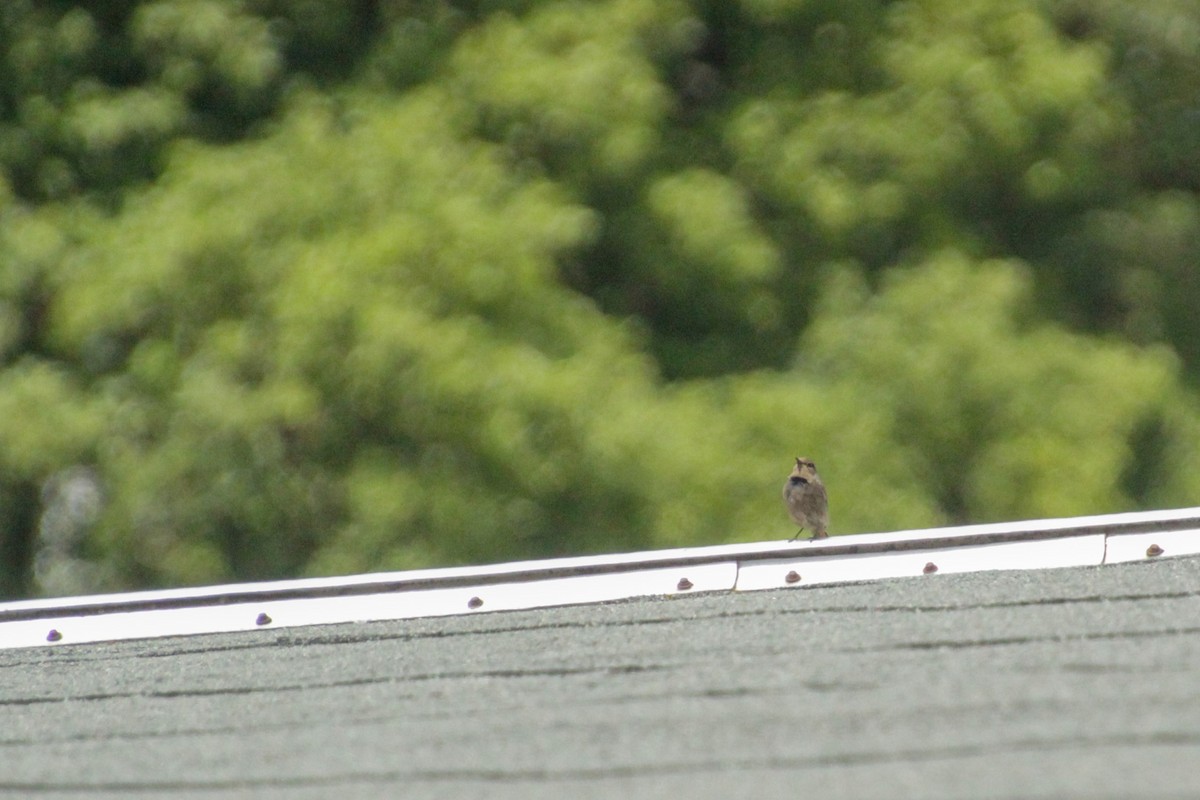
(1077, 682)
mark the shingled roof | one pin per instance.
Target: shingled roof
(1068, 682)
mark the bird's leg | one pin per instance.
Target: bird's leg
(797, 536)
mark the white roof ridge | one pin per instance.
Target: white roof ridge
(1034, 544)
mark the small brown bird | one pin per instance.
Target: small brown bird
(804, 495)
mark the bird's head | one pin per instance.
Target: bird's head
(804, 471)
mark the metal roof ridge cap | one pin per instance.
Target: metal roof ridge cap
(371, 583)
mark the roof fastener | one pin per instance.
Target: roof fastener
(53, 635)
(474, 602)
(930, 568)
(1153, 550)
(684, 584)
(263, 619)
(792, 577)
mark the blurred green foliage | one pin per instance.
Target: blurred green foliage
(323, 287)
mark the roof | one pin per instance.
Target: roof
(1065, 682)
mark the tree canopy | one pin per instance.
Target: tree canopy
(321, 287)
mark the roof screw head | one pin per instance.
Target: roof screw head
(930, 568)
(474, 602)
(792, 577)
(684, 584)
(1153, 550)
(262, 619)
(53, 635)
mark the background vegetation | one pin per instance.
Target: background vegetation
(320, 286)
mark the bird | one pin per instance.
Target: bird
(805, 498)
